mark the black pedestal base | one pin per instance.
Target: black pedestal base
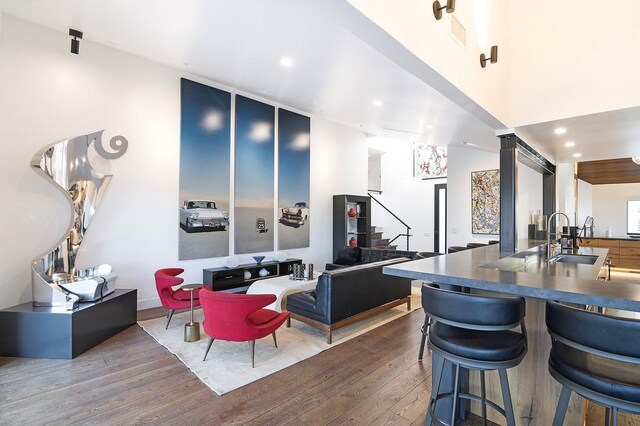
(44, 332)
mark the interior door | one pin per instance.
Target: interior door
(440, 218)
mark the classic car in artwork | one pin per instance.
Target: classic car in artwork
(261, 225)
(202, 216)
(296, 215)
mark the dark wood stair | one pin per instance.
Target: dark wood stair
(377, 241)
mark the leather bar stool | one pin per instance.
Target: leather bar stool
(491, 242)
(454, 249)
(476, 245)
(597, 357)
(474, 332)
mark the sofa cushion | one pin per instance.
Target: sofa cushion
(369, 255)
(347, 256)
(304, 303)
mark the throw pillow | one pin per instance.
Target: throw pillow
(347, 256)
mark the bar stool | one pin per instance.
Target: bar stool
(455, 249)
(476, 245)
(596, 356)
(474, 332)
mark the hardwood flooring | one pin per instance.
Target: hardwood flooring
(131, 379)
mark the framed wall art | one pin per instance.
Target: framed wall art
(430, 161)
(485, 202)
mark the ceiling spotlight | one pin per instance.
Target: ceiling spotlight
(569, 144)
(636, 160)
(377, 103)
(75, 43)
(493, 58)
(437, 8)
(286, 62)
(577, 155)
(560, 131)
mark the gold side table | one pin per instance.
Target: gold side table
(192, 328)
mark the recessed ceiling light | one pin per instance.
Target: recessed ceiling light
(376, 103)
(560, 131)
(577, 155)
(569, 144)
(286, 62)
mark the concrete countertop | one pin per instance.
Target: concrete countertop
(574, 283)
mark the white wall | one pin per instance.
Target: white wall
(463, 161)
(529, 198)
(410, 198)
(566, 191)
(49, 94)
(585, 201)
(610, 207)
(570, 58)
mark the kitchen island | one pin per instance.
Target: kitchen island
(528, 273)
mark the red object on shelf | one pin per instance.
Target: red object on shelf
(353, 242)
(351, 213)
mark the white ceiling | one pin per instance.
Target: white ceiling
(606, 135)
(239, 43)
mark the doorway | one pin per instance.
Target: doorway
(440, 218)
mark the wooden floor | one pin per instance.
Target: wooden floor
(131, 379)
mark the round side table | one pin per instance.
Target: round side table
(192, 328)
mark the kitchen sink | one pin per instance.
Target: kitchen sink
(585, 259)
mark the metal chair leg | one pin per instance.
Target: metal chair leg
(425, 334)
(170, 315)
(456, 389)
(561, 409)
(483, 391)
(275, 342)
(208, 347)
(607, 413)
(506, 397)
(435, 391)
(253, 353)
(614, 416)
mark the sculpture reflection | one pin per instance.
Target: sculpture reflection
(55, 279)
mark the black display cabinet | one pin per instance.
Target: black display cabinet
(351, 222)
(238, 279)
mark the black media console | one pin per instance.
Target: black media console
(238, 279)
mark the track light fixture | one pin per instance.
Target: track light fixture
(75, 43)
(493, 58)
(437, 8)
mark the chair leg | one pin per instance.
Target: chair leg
(456, 389)
(506, 397)
(208, 347)
(561, 409)
(483, 391)
(614, 416)
(253, 353)
(289, 322)
(425, 334)
(435, 391)
(275, 342)
(607, 412)
(170, 315)
(329, 335)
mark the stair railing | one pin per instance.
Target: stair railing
(406, 234)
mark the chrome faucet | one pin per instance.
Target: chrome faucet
(554, 233)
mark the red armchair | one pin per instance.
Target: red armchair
(239, 318)
(173, 299)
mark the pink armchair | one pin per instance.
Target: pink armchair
(173, 299)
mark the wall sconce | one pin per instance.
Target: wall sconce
(437, 8)
(75, 43)
(493, 58)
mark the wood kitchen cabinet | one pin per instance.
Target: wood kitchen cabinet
(623, 253)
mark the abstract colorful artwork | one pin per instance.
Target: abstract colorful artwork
(430, 161)
(205, 149)
(485, 202)
(254, 176)
(294, 133)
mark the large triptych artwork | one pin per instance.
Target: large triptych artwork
(205, 146)
(254, 176)
(485, 202)
(294, 135)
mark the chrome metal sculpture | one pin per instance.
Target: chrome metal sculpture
(55, 279)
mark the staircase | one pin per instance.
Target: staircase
(377, 240)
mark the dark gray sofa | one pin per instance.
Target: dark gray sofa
(349, 256)
(347, 295)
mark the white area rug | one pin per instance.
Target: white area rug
(228, 365)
